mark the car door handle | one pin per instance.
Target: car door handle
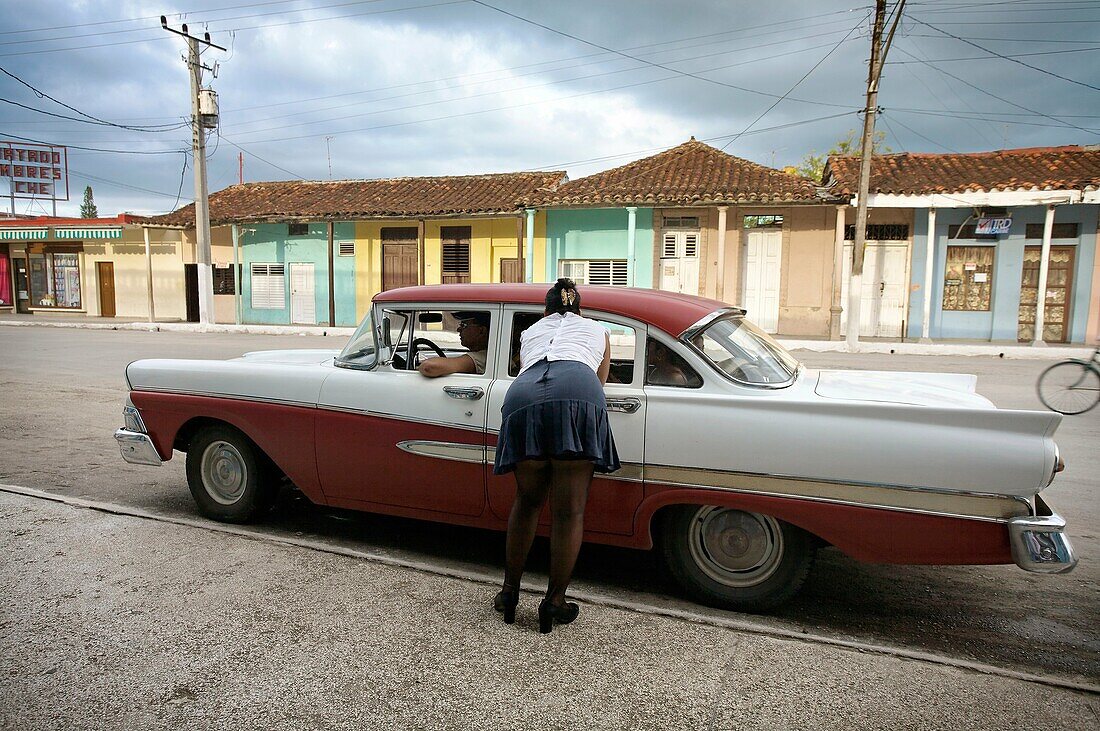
(472, 393)
(626, 405)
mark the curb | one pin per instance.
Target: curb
(1009, 352)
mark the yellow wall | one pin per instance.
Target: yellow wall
(130, 272)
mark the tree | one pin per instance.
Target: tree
(813, 165)
(87, 208)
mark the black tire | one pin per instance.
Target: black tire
(735, 559)
(1070, 387)
(231, 480)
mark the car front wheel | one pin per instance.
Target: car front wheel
(230, 479)
(735, 559)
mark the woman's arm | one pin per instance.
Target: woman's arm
(605, 364)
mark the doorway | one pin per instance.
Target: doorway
(1059, 291)
(191, 291)
(882, 303)
(105, 271)
(22, 286)
(680, 262)
(763, 256)
(303, 299)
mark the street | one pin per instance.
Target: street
(157, 601)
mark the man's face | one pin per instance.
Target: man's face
(473, 335)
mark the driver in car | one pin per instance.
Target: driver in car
(473, 333)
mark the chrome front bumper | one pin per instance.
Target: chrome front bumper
(1039, 542)
(137, 448)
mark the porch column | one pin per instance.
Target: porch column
(529, 259)
(929, 264)
(1044, 269)
(631, 228)
(835, 307)
(719, 290)
(237, 274)
(149, 273)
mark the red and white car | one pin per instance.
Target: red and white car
(737, 461)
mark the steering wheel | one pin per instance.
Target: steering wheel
(417, 342)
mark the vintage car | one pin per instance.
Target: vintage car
(737, 462)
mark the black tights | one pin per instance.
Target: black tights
(566, 483)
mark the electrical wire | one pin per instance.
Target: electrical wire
(989, 58)
(795, 86)
(1007, 58)
(927, 139)
(93, 149)
(253, 154)
(88, 121)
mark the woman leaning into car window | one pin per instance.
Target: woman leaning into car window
(554, 434)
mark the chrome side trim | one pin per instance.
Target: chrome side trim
(398, 417)
(239, 397)
(1039, 543)
(456, 452)
(137, 448)
(979, 506)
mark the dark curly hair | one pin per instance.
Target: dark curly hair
(563, 297)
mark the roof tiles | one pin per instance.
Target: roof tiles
(908, 173)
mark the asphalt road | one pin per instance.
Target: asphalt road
(63, 391)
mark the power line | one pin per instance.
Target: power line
(93, 149)
(143, 17)
(85, 121)
(987, 119)
(988, 58)
(253, 154)
(795, 86)
(927, 139)
(1008, 58)
(640, 60)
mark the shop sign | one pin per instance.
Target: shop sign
(993, 226)
(35, 171)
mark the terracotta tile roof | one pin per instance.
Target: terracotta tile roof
(693, 173)
(1046, 168)
(359, 199)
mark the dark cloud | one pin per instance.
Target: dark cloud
(461, 88)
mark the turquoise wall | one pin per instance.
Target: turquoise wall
(270, 244)
(599, 233)
(1000, 323)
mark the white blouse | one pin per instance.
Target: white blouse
(563, 337)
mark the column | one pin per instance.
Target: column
(631, 228)
(149, 273)
(720, 285)
(237, 274)
(835, 307)
(929, 265)
(1044, 269)
(529, 259)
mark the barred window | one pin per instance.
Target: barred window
(879, 232)
(224, 281)
(297, 229)
(762, 221)
(1059, 231)
(681, 222)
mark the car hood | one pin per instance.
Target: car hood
(290, 357)
(944, 390)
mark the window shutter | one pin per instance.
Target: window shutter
(670, 246)
(618, 272)
(691, 245)
(599, 272)
(268, 286)
(347, 248)
(456, 258)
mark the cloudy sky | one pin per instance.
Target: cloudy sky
(434, 87)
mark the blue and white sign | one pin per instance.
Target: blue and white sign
(993, 226)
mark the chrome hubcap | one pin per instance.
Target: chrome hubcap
(734, 547)
(224, 474)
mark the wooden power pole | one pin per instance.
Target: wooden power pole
(859, 245)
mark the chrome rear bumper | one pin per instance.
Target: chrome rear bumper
(1039, 542)
(137, 448)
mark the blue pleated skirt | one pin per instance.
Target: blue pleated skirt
(555, 410)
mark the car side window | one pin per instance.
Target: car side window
(624, 342)
(450, 334)
(520, 322)
(665, 367)
(394, 330)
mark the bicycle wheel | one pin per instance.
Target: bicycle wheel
(1069, 387)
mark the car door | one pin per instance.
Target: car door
(614, 498)
(392, 437)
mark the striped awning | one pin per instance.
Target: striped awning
(8, 234)
(88, 233)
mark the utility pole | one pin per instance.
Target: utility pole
(240, 168)
(328, 154)
(198, 149)
(859, 245)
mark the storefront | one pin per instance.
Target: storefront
(7, 279)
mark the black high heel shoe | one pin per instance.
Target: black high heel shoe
(505, 602)
(549, 614)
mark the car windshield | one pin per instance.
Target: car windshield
(361, 351)
(744, 352)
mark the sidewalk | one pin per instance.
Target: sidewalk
(1000, 350)
(117, 622)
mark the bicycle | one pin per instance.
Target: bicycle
(1072, 386)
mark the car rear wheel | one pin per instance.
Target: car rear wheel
(735, 559)
(230, 479)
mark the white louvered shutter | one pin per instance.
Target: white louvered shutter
(268, 286)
